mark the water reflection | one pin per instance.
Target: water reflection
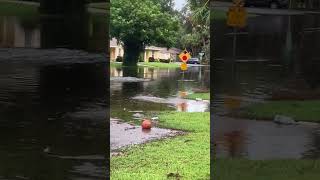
(53, 93)
(87, 33)
(277, 60)
(159, 91)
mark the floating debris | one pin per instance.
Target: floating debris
(279, 119)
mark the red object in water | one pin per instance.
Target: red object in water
(146, 124)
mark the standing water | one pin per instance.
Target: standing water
(53, 109)
(277, 58)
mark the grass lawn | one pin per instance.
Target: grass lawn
(185, 157)
(241, 169)
(299, 110)
(17, 9)
(204, 96)
(149, 64)
(159, 64)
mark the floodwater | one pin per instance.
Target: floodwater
(273, 58)
(137, 92)
(128, 131)
(53, 93)
(155, 89)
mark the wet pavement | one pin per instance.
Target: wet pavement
(260, 140)
(276, 58)
(124, 134)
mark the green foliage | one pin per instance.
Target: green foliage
(196, 18)
(142, 21)
(18, 9)
(119, 59)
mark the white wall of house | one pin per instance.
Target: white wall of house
(156, 52)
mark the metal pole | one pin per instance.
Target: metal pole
(234, 42)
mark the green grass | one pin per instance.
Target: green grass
(187, 156)
(204, 96)
(149, 64)
(299, 110)
(242, 169)
(16, 9)
(159, 64)
(114, 64)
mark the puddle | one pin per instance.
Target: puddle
(184, 105)
(259, 140)
(123, 134)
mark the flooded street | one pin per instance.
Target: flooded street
(276, 57)
(53, 99)
(137, 92)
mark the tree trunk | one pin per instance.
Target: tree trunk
(132, 52)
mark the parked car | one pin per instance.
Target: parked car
(274, 4)
(193, 61)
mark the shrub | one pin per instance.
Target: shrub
(165, 60)
(119, 59)
(151, 59)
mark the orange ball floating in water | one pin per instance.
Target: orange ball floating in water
(146, 124)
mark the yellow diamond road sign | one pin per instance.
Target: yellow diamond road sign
(184, 66)
(184, 56)
(237, 15)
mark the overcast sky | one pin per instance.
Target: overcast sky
(178, 4)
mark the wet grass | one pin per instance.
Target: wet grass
(159, 64)
(150, 64)
(203, 96)
(308, 110)
(242, 169)
(115, 64)
(185, 157)
(17, 9)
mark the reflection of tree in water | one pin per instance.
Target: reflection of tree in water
(234, 142)
(314, 150)
(310, 57)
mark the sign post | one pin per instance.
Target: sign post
(184, 57)
(237, 18)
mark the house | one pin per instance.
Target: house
(116, 49)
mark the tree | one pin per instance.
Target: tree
(196, 22)
(138, 23)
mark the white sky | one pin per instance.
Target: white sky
(178, 4)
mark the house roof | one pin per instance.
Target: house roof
(114, 43)
(155, 48)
